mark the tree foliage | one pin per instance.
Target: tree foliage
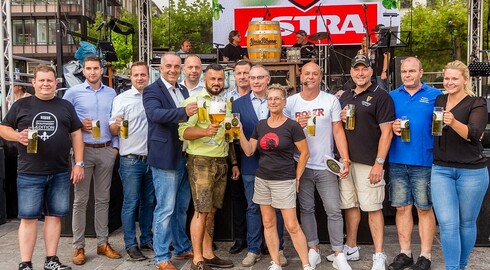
(431, 33)
(183, 19)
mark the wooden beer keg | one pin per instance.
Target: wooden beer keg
(264, 41)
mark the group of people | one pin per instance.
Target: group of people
(168, 157)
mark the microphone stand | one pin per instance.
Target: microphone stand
(330, 46)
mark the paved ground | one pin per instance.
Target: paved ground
(9, 253)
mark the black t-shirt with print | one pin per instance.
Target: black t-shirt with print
(55, 120)
(276, 148)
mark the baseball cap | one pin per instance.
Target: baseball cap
(360, 59)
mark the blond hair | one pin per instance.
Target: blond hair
(461, 67)
(277, 87)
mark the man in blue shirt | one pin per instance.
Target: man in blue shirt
(410, 164)
(93, 103)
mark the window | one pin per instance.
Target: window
(18, 32)
(29, 32)
(51, 31)
(42, 32)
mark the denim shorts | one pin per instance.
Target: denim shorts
(40, 195)
(410, 185)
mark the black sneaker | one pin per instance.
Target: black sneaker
(147, 247)
(401, 261)
(25, 266)
(54, 264)
(422, 264)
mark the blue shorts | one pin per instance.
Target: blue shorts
(40, 195)
(410, 185)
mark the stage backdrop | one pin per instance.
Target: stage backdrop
(345, 19)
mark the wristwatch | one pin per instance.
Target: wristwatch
(380, 160)
(81, 164)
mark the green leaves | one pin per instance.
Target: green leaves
(391, 4)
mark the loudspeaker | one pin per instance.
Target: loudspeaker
(397, 78)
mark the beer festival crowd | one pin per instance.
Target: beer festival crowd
(188, 140)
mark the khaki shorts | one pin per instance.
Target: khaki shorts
(357, 191)
(207, 178)
(280, 194)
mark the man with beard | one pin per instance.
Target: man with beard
(93, 103)
(207, 169)
(368, 145)
(162, 100)
(192, 72)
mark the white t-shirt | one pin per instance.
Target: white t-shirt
(327, 109)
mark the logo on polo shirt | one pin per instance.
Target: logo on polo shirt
(424, 100)
(366, 102)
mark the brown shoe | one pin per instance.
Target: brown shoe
(166, 265)
(108, 251)
(185, 256)
(78, 256)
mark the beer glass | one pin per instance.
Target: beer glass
(201, 109)
(124, 128)
(437, 121)
(32, 140)
(351, 117)
(228, 131)
(405, 128)
(216, 113)
(95, 129)
(229, 101)
(311, 125)
(235, 126)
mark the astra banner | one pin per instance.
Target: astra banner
(344, 20)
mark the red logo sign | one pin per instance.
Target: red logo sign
(304, 4)
(345, 23)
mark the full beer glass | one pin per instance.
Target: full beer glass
(235, 126)
(217, 113)
(405, 128)
(95, 129)
(124, 128)
(32, 140)
(437, 121)
(228, 131)
(201, 109)
(351, 117)
(311, 125)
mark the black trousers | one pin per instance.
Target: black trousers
(239, 202)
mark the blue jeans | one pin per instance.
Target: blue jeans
(169, 218)
(254, 219)
(48, 194)
(383, 84)
(457, 195)
(138, 189)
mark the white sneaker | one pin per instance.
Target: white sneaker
(351, 254)
(282, 259)
(274, 266)
(308, 267)
(340, 262)
(314, 257)
(250, 259)
(379, 261)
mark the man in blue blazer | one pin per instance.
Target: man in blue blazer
(162, 100)
(252, 108)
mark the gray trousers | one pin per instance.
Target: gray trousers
(99, 163)
(328, 187)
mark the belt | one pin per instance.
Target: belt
(137, 157)
(98, 145)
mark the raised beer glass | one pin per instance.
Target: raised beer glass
(437, 121)
(95, 129)
(235, 126)
(216, 112)
(32, 140)
(228, 131)
(201, 110)
(405, 128)
(311, 125)
(351, 117)
(124, 128)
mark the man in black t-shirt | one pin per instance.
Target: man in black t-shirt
(43, 178)
(233, 51)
